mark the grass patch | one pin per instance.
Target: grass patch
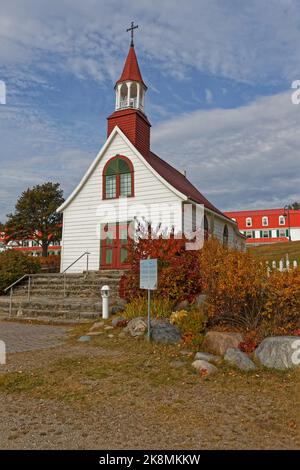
(277, 251)
(16, 382)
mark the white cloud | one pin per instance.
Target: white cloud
(247, 41)
(208, 96)
(240, 158)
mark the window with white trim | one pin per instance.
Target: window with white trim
(281, 220)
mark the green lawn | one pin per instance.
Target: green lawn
(277, 251)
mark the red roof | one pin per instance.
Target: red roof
(272, 215)
(179, 181)
(131, 69)
(267, 241)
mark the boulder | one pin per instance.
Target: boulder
(203, 356)
(182, 305)
(116, 309)
(238, 358)
(204, 367)
(117, 321)
(176, 364)
(164, 332)
(217, 342)
(137, 327)
(200, 300)
(84, 339)
(279, 352)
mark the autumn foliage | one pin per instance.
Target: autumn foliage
(240, 293)
(179, 277)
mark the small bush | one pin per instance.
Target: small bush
(191, 324)
(50, 263)
(13, 265)
(160, 308)
(282, 306)
(179, 277)
(236, 285)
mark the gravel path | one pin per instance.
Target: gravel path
(20, 337)
(120, 393)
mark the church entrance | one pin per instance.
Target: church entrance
(114, 245)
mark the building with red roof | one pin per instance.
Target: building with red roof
(268, 225)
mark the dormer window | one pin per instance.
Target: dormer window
(118, 178)
(265, 221)
(248, 222)
(281, 220)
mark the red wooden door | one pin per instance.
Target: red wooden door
(114, 245)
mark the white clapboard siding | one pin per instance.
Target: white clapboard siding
(86, 211)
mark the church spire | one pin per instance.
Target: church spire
(130, 88)
(129, 114)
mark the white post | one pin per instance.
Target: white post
(287, 264)
(105, 295)
(118, 97)
(295, 264)
(274, 265)
(2, 353)
(281, 265)
(138, 95)
(105, 314)
(128, 93)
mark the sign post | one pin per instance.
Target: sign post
(148, 280)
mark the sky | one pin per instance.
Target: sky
(219, 76)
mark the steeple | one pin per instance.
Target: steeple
(129, 112)
(130, 88)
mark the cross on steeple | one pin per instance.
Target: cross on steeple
(132, 28)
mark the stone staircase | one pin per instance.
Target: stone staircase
(59, 297)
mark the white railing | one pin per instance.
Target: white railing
(132, 104)
(282, 265)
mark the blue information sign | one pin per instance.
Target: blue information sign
(148, 274)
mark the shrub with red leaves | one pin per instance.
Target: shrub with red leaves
(179, 276)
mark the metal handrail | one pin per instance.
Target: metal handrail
(74, 262)
(10, 288)
(16, 282)
(86, 253)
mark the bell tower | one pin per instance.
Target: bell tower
(129, 114)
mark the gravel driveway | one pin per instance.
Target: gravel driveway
(19, 337)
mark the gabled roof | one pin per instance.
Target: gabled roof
(179, 181)
(131, 70)
(175, 180)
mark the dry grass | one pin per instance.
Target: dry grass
(277, 251)
(129, 382)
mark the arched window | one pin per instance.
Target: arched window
(206, 228)
(225, 236)
(118, 178)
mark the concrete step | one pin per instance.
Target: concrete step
(47, 292)
(54, 308)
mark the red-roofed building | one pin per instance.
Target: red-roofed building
(28, 246)
(268, 225)
(128, 182)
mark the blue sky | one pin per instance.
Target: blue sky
(219, 75)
